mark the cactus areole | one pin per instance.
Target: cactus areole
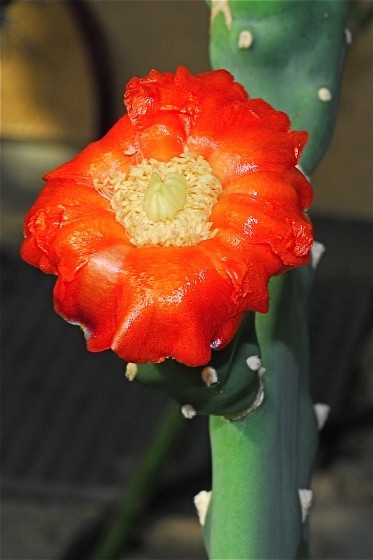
(164, 232)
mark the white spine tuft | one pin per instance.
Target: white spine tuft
(324, 94)
(322, 412)
(305, 497)
(209, 376)
(245, 39)
(201, 501)
(188, 411)
(218, 6)
(348, 36)
(131, 371)
(317, 251)
(254, 362)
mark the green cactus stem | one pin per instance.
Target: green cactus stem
(289, 53)
(261, 462)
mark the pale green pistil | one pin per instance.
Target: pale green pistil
(165, 198)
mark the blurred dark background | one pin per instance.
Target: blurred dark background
(73, 429)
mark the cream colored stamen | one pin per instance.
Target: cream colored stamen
(131, 371)
(164, 199)
(164, 203)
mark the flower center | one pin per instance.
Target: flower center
(164, 203)
(164, 199)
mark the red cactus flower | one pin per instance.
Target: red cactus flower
(165, 231)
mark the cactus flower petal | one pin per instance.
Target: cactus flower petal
(173, 281)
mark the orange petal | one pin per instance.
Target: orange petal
(288, 232)
(250, 115)
(148, 303)
(284, 189)
(247, 266)
(180, 302)
(164, 139)
(183, 93)
(152, 303)
(70, 193)
(67, 224)
(111, 153)
(226, 331)
(239, 152)
(92, 299)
